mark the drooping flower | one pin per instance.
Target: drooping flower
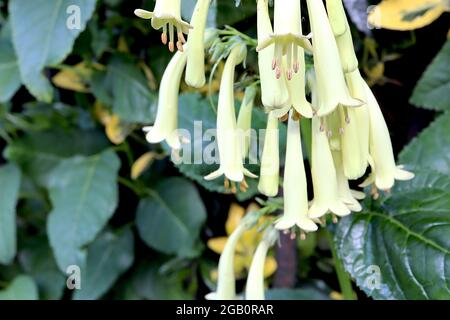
(294, 184)
(244, 121)
(344, 191)
(231, 163)
(166, 123)
(195, 69)
(331, 86)
(274, 93)
(254, 289)
(343, 35)
(382, 161)
(270, 159)
(167, 15)
(297, 89)
(287, 37)
(226, 286)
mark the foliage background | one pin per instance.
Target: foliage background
(79, 184)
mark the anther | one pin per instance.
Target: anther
(341, 131)
(278, 72)
(226, 184)
(284, 117)
(293, 235)
(233, 187)
(180, 46)
(302, 236)
(335, 219)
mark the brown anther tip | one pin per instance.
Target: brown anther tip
(277, 72)
(171, 47)
(289, 74)
(293, 236)
(296, 116)
(233, 188)
(164, 38)
(302, 236)
(243, 187)
(274, 64)
(181, 37)
(226, 183)
(296, 67)
(180, 46)
(284, 118)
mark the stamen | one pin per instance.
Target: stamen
(289, 61)
(233, 187)
(284, 117)
(289, 74)
(243, 186)
(164, 35)
(322, 124)
(374, 192)
(295, 115)
(293, 235)
(341, 131)
(329, 133)
(335, 219)
(171, 38)
(226, 184)
(180, 46)
(295, 58)
(180, 36)
(278, 72)
(302, 236)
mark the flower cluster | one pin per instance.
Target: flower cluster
(348, 130)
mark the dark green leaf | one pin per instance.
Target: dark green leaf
(431, 149)
(432, 89)
(9, 72)
(109, 256)
(10, 177)
(124, 88)
(22, 288)
(38, 153)
(36, 258)
(43, 34)
(171, 219)
(83, 192)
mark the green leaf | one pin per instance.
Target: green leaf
(43, 34)
(36, 258)
(432, 89)
(83, 192)
(10, 177)
(171, 219)
(194, 111)
(124, 88)
(9, 72)
(22, 288)
(109, 256)
(150, 283)
(431, 149)
(406, 240)
(40, 152)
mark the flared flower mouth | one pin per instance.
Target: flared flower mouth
(167, 16)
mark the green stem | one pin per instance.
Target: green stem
(345, 282)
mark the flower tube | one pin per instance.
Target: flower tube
(230, 155)
(226, 281)
(244, 121)
(331, 86)
(274, 93)
(166, 123)
(287, 37)
(166, 15)
(195, 69)
(294, 184)
(384, 169)
(270, 160)
(344, 191)
(254, 289)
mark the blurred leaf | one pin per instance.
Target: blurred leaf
(357, 10)
(431, 149)
(109, 256)
(171, 219)
(435, 83)
(38, 153)
(9, 71)
(197, 117)
(124, 88)
(22, 288)
(142, 164)
(149, 283)
(36, 258)
(43, 34)
(83, 192)
(296, 294)
(406, 14)
(10, 177)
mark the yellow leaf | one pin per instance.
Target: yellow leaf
(235, 215)
(336, 295)
(151, 80)
(270, 266)
(73, 79)
(406, 14)
(116, 131)
(217, 244)
(122, 45)
(241, 265)
(142, 164)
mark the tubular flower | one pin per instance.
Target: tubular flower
(342, 33)
(344, 192)
(270, 160)
(254, 289)
(195, 69)
(230, 155)
(274, 93)
(226, 286)
(244, 121)
(287, 37)
(297, 90)
(332, 90)
(166, 15)
(326, 196)
(294, 185)
(165, 126)
(384, 170)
